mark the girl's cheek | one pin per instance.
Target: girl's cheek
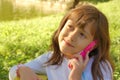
(64, 33)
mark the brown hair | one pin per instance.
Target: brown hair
(100, 28)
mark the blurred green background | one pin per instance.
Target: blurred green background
(26, 27)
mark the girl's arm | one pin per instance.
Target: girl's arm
(29, 69)
(78, 66)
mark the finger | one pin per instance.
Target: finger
(74, 63)
(86, 59)
(74, 60)
(81, 58)
(71, 63)
(76, 56)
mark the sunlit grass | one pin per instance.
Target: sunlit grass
(23, 40)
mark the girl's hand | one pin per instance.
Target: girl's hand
(78, 66)
(27, 74)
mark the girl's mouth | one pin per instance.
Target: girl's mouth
(68, 43)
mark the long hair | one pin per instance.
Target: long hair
(100, 30)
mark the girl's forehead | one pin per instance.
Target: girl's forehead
(81, 16)
(86, 29)
(83, 24)
(79, 23)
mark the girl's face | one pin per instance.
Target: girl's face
(73, 39)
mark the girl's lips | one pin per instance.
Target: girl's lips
(68, 43)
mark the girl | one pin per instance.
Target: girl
(77, 29)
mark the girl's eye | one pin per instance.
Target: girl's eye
(70, 27)
(82, 35)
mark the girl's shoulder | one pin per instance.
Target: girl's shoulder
(106, 70)
(106, 66)
(103, 64)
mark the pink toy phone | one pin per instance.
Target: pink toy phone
(89, 48)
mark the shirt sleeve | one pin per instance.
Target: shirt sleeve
(106, 70)
(37, 65)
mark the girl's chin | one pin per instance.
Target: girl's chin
(68, 55)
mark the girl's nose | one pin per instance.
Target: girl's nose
(73, 36)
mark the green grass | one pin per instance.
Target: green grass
(23, 40)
